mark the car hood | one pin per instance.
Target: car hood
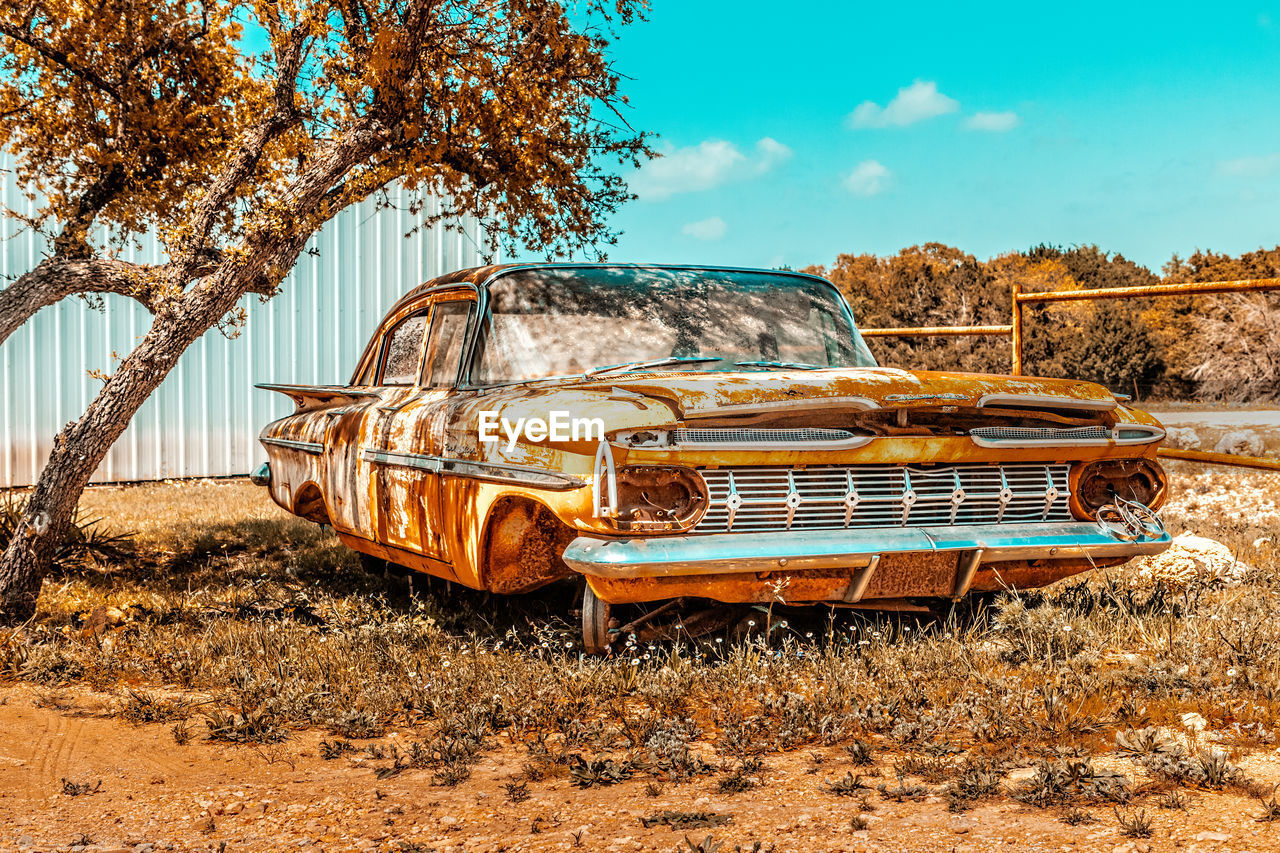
(701, 395)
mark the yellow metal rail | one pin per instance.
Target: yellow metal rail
(1260, 462)
(936, 331)
(1190, 288)
(1015, 331)
(1187, 288)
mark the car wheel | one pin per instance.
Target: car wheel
(595, 623)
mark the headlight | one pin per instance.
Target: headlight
(1094, 483)
(658, 497)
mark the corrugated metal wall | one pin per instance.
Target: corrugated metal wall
(204, 419)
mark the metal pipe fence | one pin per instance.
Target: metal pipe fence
(1015, 333)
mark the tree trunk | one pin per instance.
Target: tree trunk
(82, 444)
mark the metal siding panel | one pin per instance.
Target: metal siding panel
(204, 419)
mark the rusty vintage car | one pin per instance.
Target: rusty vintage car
(722, 434)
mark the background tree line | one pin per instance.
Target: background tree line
(1207, 347)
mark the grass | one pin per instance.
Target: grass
(231, 620)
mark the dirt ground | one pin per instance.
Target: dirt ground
(202, 796)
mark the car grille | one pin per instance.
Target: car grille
(1007, 433)
(755, 438)
(750, 500)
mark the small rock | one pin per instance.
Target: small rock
(234, 807)
(1213, 836)
(1240, 442)
(26, 841)
(1183, 438)
(1193, 721)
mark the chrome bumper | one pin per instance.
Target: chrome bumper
(727, 553)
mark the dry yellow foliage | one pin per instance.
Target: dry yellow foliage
(236, 128)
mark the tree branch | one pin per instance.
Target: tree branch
(284, 114)
(54, 279)
(57, 56)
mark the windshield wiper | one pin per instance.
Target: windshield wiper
(657, 362)
(785, 365)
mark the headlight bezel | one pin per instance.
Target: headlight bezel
(1137, 479)
(658, 498)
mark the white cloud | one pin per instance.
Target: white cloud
(769, 153)
(1250, 167)
(703, 166)
(993, 122)
(917, 102)
(706, 229)
(869, 177)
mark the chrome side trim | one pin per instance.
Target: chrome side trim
(1023, 401)
(1098, 436)
(493, 472)
(313, 447)
(500, 472)
(735, 553)
(920, 398)
(420, 461)
(805, 405)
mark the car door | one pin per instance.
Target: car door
(408, 441)
(391, 380)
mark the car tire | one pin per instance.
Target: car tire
(595, 622)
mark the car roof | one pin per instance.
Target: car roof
(479, 277)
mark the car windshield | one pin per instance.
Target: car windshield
(564, 321)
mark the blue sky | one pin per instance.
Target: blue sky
(795, 132)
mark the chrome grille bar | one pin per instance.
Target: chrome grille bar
(833, 498)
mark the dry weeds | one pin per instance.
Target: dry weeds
(233, 621)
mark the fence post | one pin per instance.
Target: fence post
(1017, 332)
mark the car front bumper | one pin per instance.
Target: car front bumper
(730, 553)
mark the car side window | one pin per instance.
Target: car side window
(444, 343)
(401, 351)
